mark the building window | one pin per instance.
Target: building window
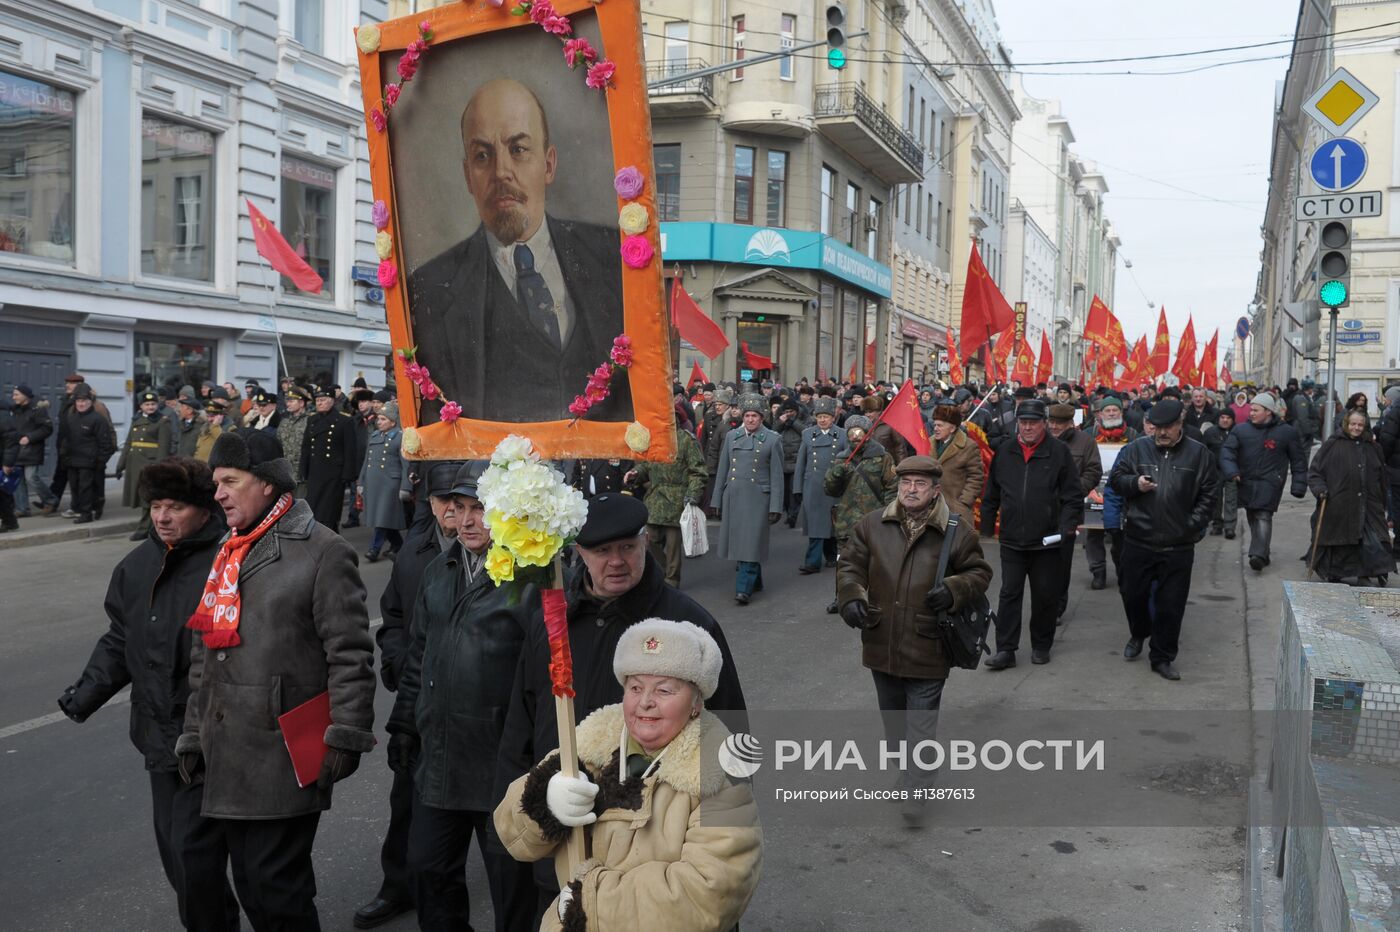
(668, 181)
(309, 24)
(872, 228)
(36, 168)
(777, 188)
(738, 73)
(852, 219)
(826, 332)
(785, 43)
(309, 367)
(851, 334)
(165, 363)
(177, 200)
(919, 211)
(743, 184)
(932, 218)
(948, 226)
(308, 218)
(909, 120)
(923, 121)
(828, 205)
(677, 46)
(936, 135)
(909, 203)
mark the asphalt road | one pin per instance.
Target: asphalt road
(78, 851)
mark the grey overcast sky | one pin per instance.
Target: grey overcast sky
(1194, 250)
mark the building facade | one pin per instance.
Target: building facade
(130, 136)
(1032, 259)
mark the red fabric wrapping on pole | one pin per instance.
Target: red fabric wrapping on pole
(903, 414)
(1161, 347)
(280, 255)
(556, 625)
(955, 369)
(1045, 367)
(985, 310)
(693, 324)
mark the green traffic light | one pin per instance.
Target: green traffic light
(836, 58)
(1333, 293)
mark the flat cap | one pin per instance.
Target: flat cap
(611, 516)
(1059, 412)
(442, 476)
(1167, 411)
(919, 465)
(1032, 409)
(465, 480)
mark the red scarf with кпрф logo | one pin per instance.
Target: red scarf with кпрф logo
(217, 615)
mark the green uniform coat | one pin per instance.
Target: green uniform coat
(671, 485)
(146, 442)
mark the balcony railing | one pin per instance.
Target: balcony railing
(703, 86)
(847, 99)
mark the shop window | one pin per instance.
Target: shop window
(169, 364)
(36, 168)
(177, 200)
(308, 218)
(309, 367)
(826, 332)
(762, 338)
(851, 334)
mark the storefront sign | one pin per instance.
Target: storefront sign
(797, 249)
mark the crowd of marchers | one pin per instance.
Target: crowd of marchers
(241, 602)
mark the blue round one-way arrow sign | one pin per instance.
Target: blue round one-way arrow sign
(1338, 164)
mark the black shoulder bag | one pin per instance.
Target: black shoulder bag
(964, 631)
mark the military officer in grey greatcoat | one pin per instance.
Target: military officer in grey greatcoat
(328, 459)
(147, 441)
(749, 494)
(822, 444)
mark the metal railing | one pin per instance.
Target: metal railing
(703, 85)
(847, 99)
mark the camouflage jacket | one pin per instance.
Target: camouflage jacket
(670, 485)
(855, 483)
(291, 430)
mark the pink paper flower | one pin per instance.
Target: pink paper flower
(414, 372)
(416, 48)
(380, 214)
(497, 3)
(425, 28)
(408, 67)
(557, 25)
(578, 51)
(628, 182)
(541, 10)
(388, 273)
(579, 406)
(600, 74)
(637, 252)
(391, 95)
(428, 390)
(621, 354)
(450, 412)
(381, 123)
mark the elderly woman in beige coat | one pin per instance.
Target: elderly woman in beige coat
(655, 862)
(961, 462)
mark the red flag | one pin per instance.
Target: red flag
(1205, 372)
(1103, 328)
(1139, 365)
(1045, 369)
(903, 414)
(851, 376)
(1225, 377)
(984, 308)
(693, 324)
(280, 255)
(955, 369)
(1184, 366)
(1161, 347)
(754, 360)
(1025, 364)
(696, 375)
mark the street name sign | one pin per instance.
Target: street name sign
(1337, 206)
(1358, 337)
(1338, 164)
(1340, 102)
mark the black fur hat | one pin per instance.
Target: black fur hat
(181, 478)
(256, 452)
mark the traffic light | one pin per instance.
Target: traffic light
(836, 35)
(1306, 340)
(1334, 264)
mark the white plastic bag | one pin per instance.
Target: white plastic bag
(694, 538)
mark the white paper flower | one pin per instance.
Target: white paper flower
(637, 436)
(367, 38)
(514, 448)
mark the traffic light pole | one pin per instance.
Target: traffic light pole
(1331, 372)
(741, 63)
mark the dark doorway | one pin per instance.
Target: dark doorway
(40, 356)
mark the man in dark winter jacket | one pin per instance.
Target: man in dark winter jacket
(1388, 435)
(1169, 484)
(790, 424)
(465, 638)
(1258, 455)
(1304, 414)
(1034, 485)
(1088, 467)
(88, 443)
(33, 427)
(153, 591)
(616, 585)
(425, 542)
(9, 452)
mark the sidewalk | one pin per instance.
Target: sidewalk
(39, 529)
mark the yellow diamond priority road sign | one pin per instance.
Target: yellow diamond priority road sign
(1340, 102)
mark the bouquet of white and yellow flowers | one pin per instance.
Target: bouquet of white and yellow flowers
(531, 510)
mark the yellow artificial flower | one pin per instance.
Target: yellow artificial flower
(411, 442)
(633, 219)
(383, 244)
(534, 548)
(367, 38)
(500, 566)
(637, 436)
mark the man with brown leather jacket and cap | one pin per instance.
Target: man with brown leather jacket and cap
(281, 621)
(887, 587)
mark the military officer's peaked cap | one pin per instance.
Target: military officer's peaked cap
(264, 398)
(324, 391)
(612, 516)
(296, 391)
(148, 396)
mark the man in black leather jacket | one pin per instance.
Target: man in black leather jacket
(1170, 486)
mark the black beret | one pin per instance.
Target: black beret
(1165, 412)
(612, 516)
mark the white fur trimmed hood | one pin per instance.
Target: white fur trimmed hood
(680, 765)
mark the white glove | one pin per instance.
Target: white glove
(570, 799)
(566, 896)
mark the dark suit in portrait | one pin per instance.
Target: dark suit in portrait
(486, 353)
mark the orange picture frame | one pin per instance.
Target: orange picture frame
(651, 436)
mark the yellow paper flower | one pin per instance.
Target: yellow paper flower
(411, 442)
(633, 219)
(530, 548)
(383, 244)
(367, 38)
(638, 437)
(500, 566)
